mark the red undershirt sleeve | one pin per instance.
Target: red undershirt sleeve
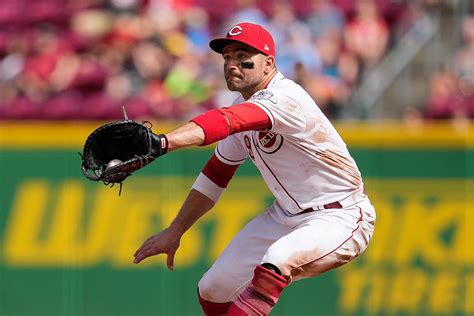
(217, 124)
(218, 172)
(246, 117)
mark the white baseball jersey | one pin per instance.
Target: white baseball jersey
(302, 159)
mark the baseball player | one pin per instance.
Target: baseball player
(321, 217)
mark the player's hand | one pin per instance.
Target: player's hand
(166, 242)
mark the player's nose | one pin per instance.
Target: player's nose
(232, 64)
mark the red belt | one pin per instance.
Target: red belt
(336, 204)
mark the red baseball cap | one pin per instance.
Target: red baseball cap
(253, 35)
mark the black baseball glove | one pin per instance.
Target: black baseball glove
(115, 150)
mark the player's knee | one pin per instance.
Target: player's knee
(213, 288)
(273, 261)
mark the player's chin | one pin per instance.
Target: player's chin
(234, 84)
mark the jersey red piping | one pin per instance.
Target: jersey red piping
(257, 149)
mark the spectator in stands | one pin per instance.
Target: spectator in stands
(463, 65)
(444, 101)
(451, 93)
(197, 30)
(185, 87)
(324, 17)
(332, 86)
(367, 34)
(281, 18)
(246, 10)
(293, 37)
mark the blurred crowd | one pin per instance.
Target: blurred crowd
(84, 59)
(451, 91)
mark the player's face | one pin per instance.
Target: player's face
(243, 67)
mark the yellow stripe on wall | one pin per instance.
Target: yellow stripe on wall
(392, 134)
(380, 134)
(61, 135)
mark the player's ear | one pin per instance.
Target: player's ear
(269, 64)
(270, 61)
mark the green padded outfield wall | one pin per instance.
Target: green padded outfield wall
(66, 243)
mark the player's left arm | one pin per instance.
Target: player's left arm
(204, 194)
(217, 124)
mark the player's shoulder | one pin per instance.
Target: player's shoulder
(277, 90)
(285, 90)
(284, 86)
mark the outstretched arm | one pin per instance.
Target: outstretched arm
(167, 241)
(190, 134)
(215, 125)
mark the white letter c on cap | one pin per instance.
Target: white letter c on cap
(236, 30)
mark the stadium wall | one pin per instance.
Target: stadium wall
(66, 243)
